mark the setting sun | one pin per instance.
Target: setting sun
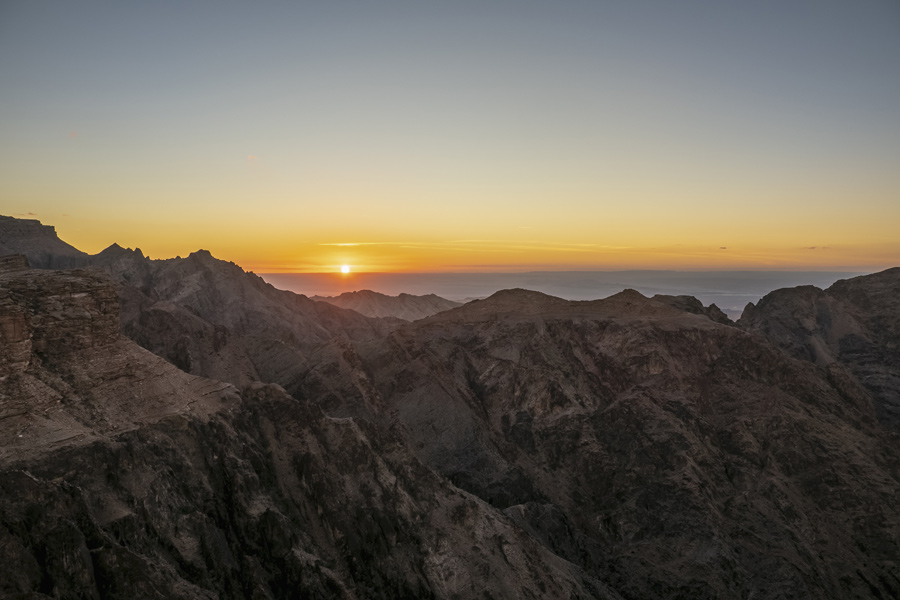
(345, 268)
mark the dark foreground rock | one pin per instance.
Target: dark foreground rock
(124, 477)
(665, 453)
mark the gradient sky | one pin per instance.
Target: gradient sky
(436, 136)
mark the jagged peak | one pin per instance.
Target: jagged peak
(115, 249)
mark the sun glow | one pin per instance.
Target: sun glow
(345, 269)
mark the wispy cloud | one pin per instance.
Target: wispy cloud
(491, 245)
(365, 243)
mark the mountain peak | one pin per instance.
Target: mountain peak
(39, 243)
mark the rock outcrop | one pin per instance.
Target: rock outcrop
(40, 244)
(854, 324)
(694, 306)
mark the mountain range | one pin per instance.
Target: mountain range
(181, 429)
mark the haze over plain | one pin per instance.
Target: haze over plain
(497, 136)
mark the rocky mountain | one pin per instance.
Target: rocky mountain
(692, 305)
(211, 318)
(207, 316)
(39, 243)
(124, 477)
(404, 306)
(519, 446)
(665, 453)
(855, 323)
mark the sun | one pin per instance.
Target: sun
(345, 268)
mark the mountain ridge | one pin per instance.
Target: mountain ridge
(403, 306)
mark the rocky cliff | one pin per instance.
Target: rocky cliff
(124, 477)
(39, 243)
(855, 323)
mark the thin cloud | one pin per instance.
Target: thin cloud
(365, 243)
(73, 134)
(723, 247)
(492, 245)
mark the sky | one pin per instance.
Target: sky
(459, 136)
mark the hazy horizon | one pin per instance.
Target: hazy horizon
(729, 290)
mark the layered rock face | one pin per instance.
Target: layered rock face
(39, 244)
(66, 374)
(405, 306)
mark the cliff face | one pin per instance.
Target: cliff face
(67, 376)
(39, 243)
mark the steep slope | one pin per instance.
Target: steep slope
(211, 318)
(404, 306)
(665, 453)
(692, 305)
(854, 323)
(123, 477)
(39, 243)
(67, 377)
